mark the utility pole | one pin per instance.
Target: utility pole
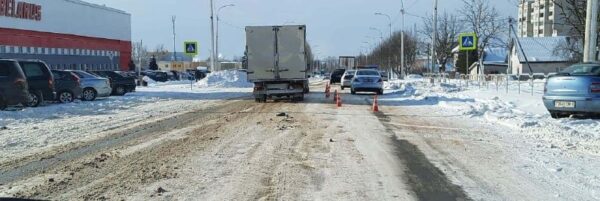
(591, 31)
(212, 37)
(217, 30)
(509, 69)
(402, 67)
(434, 36)
(140, 51)
(173, 18)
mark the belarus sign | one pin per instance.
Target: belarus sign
(21, 10)
(191, 48)
(467, 41)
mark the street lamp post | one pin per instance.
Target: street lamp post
(217, 34)
(367, 51)
(390, 20)
(390, 25)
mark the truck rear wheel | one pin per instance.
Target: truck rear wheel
(2, 104)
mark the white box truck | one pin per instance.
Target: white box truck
(277, 61)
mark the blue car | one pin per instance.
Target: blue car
(574, 91)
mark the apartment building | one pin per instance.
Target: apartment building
(541, 18)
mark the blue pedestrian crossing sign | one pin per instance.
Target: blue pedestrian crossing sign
(191, 48)
(467, 41)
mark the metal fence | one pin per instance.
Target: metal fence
(497, 81)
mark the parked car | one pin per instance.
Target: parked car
(93, 86)
(120, 84)
(173, 75)
(367, 80)
(158, 76)
(39, 80)
(67, 85)
(414, 77)
(14, 89)
(574, 91)
(347, 79)
(198, 74)
(384, 76)
(336, 76)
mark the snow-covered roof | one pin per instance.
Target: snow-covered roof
(495, 55)
(541, 49)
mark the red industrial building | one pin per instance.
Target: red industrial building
(66, 34)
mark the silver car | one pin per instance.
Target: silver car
(347, 78)
(93, 86)
(367, 81)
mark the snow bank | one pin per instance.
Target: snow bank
(520, 111)
(24, 131)
(226, 79)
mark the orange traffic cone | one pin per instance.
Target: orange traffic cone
(375, 105)
(339, 101)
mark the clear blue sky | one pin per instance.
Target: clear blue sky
(334, 27)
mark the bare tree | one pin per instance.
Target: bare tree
(139, 52)
(160, 51)
(485, 21)
(389, 51)
(573, 15)
(449, 27)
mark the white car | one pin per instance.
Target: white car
(347, 79)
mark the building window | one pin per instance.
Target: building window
(541, 14)
(541, 31)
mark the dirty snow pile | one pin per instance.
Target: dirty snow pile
(24, 131)
(226, 79)
(516, 108)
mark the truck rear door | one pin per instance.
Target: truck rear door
(291, 52)
(261, 53)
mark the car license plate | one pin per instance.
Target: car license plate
(369, 80)
(564, 104)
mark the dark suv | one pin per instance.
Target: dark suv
(40, 81)
(336, 76)
(13, 84)
(68, 86)
(119, 83)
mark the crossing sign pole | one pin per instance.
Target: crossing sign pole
(191, 48)
(467, 42)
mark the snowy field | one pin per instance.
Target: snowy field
(24, 131)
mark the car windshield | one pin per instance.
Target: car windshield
(582, 70)
(82, 74)
(368, 72)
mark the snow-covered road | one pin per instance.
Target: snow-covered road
(429, 142)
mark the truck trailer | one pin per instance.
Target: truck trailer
(277, 61)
